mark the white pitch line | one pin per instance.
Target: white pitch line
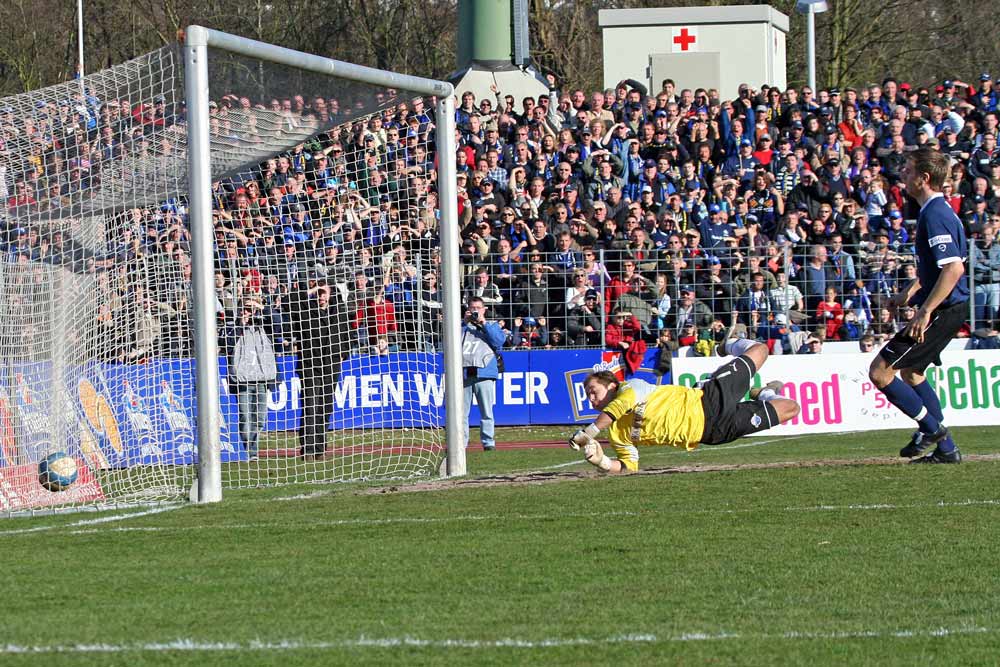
(554, 467)
(888, 506)
(474, 518)
(191, 645)
(94, 522)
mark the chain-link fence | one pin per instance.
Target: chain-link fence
(571, 297)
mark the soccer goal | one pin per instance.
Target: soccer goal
(226, 265)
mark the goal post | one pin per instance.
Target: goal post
(202, 261)
(196, 44)
(454, 406)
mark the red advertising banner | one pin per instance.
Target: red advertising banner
(20, 488)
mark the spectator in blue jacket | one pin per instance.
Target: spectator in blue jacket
(482, 340)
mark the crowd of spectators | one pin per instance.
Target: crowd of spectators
(596, 219)
(671, 216)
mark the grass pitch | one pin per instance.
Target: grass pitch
(750, 553)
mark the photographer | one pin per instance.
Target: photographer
(481, 343)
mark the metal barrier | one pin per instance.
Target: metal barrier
(684, 291)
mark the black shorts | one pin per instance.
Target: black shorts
(727, 416)
(904, 352)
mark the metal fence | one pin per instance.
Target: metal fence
(555, 299)
(787, 291)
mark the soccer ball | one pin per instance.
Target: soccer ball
(56, 472)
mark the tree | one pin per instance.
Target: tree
(858, 42)
(30, 52)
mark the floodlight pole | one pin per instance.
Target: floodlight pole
(79, 48)
(811, 41)
(811, 8)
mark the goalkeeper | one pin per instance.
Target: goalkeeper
(639, 413)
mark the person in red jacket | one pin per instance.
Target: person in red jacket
(851, 127)
(614, 289)
(380, 318)
(830, 314)
(620, 284)
(23, 195)
(622, 330)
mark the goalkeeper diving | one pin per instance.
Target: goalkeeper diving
(638, 413)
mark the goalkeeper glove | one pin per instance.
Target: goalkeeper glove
(583, 436)
(596, 457)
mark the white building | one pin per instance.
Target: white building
(706, 47)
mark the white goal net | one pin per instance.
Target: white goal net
(326, 267)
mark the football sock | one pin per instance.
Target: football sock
(930, 399)
(738, 346)
(905, 397)
(928, 422)
(947, 446)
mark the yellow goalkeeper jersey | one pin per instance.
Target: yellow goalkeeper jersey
(647, 414)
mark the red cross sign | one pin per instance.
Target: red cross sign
(684, 39)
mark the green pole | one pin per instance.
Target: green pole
(485, 34)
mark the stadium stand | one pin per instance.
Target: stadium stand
(685, 214)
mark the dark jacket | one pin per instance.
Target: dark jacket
(579, 318)
(322, 334)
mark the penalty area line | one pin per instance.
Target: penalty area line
(363, 642)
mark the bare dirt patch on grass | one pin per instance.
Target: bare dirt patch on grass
(541, 477)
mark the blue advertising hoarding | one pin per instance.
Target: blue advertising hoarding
(125, 415)
(407, 390)
(113, 415)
